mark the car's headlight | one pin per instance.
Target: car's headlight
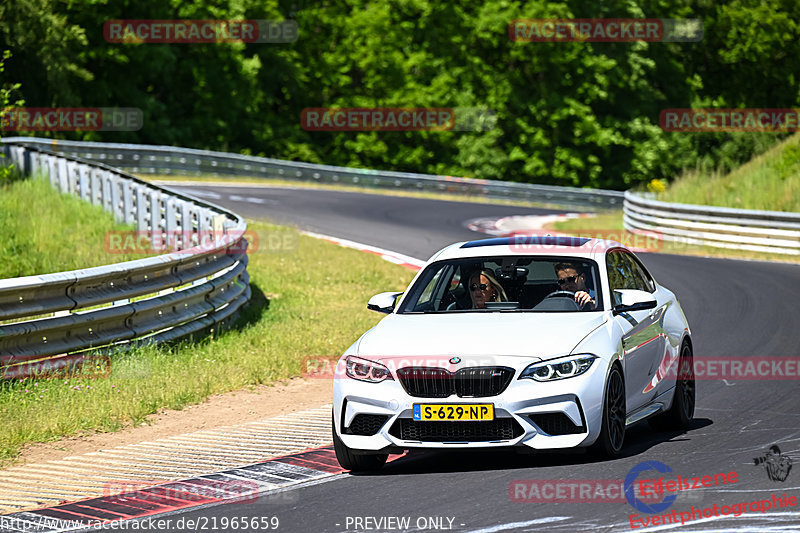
(366, 370)
(561, 368)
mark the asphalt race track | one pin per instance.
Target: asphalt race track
(735, 308)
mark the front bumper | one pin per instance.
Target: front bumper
(573, 409)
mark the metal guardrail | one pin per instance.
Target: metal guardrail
(168, 161)
(50, 321)
(722, 227)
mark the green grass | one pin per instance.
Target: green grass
(309, 300)
(770, 182)
(609, 225)
(44, 231)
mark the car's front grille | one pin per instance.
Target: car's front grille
(478, 382)
(426, 382)
(556, 424)
(364, 424)
(471, 431)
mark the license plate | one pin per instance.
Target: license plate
(453, 412)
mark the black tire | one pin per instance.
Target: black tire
(612, 434)
(681, 412)
(356, 462)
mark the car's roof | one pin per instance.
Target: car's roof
(527, 245)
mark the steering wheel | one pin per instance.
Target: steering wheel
(564, 294)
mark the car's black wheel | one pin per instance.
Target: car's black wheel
(612, 435)
(682, 411)
(356, 462)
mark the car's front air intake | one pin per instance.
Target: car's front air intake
(556, 424)
(364, 424)
(472, 431)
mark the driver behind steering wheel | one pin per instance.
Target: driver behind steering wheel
(572, 278)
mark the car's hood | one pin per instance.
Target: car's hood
(478, 334)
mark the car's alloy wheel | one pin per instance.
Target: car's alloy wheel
(682, 411)
(612, 434)
(356, 462)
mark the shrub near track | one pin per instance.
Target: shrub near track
(769, 182)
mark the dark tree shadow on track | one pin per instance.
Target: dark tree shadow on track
(638, 439)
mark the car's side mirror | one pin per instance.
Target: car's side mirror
(632, 300)
(383, 302)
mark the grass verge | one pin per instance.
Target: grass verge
(770, 182)
(44, 231)
(608, 225)
(309, 299)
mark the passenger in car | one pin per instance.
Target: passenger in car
(572, 278)
(484, 287)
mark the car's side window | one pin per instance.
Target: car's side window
(619, 273)
(639, 279)
(649, 282)
(625, 273)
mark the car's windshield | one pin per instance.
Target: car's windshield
(506, 283)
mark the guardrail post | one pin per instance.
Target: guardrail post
(63, 184)
(127, 202)
(96, 184)
(26, 154)
(141, 209)
(196, 235)
(187, 227)
(105, 199)
(218, 223)
(156, 231)
(14, 156)
(35, 163)
(204, 221)
(171, 217)
(84, 189)
(116, 198)
(52, 170)
(73, 178)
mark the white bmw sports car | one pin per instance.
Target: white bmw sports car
(532, 342)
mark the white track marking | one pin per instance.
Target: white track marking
(388, 255)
